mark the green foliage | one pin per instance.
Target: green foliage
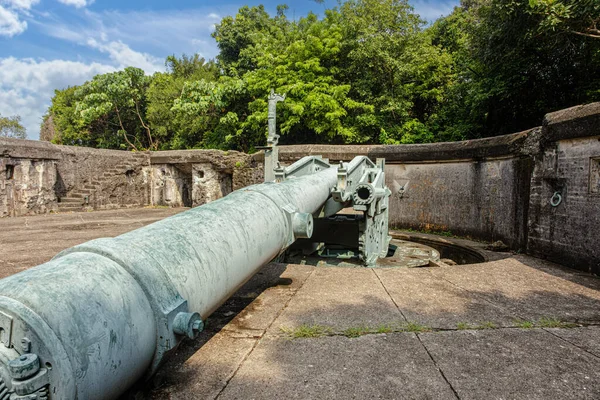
(368, 71)
(512, 67)
(548, 322)
(11, 127)
(416, 327)
(167, 87)
(580, 17)
(524, 324)
(486, 325)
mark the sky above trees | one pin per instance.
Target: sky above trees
(52, 44)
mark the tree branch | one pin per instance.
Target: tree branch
(586, 34)
(151, 142)
(123, 129)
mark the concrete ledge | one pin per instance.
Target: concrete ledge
(575, 122)
(219, 159)
(477, 149)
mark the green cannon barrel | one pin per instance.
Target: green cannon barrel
(102, 315)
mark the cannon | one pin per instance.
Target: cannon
(102, 315)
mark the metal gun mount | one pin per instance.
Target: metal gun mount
(271, 151)
(361, 186)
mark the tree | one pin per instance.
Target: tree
(392, 65)
(513, 67)
(580, 17)
(117, 99)
(166, 87)
(11, 127)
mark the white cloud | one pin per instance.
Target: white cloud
(76, 3)
(10, 23)
(124, 56)
(157, 32)
(430, 10)
(20, 4)
(27, 85)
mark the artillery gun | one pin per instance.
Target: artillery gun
(102, 315)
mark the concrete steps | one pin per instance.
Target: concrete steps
(78, 198)
(69, 207)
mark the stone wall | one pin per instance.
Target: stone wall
(61, 178)
(194, 177)
(568, 164)
(39, 177)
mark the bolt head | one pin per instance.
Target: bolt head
(24, 367)
(188, 324)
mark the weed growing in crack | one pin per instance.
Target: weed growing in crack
(524, 324)
(486, 325)
(307, 331)
(416, 328)
(555, 323)
(461, 326)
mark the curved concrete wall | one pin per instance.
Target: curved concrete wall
(499, 188)
(492, 189)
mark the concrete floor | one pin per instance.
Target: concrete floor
(509, 329)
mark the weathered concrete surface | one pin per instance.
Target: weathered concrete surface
(244, 353)
(392, 366)
(28, 241)
(481, 198)
(439, 303)
(27, 186)
(340, 297)
(39, 177)
(514, 364)
(587, 339)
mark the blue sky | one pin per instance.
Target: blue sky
(51, 44)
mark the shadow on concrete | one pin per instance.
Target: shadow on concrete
(168, 374)
(399, 366)
(577, 276)
(487, 363)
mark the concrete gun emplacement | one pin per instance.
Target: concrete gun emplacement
(102, 315)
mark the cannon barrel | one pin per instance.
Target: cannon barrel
(101, 315)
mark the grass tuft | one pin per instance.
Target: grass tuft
(461, 326)
(384, 329)
(486, 325)
(354, 332)
(307, 331)
(555, 323)
(416, 328)
(524, 324)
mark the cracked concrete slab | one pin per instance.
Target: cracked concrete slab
(586, 338)
(392, 366)
(528, 292)
(339, 298)
(260, 314)
(207, 371)
(428, 300)
(514, 364)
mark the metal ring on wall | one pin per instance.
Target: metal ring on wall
(556, 199)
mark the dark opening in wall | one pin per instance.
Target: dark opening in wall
(130, 175)
(595, 175)
(201, 174)
(10, 172)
